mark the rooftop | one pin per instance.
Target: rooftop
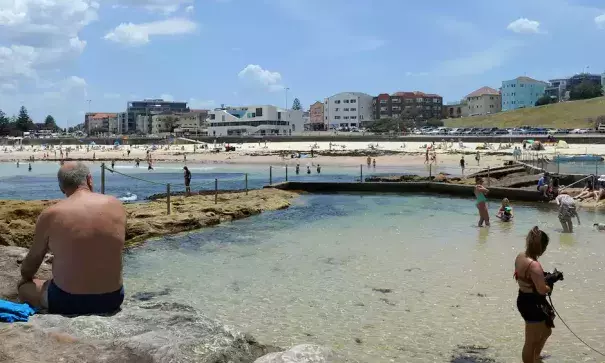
(483, 91)
(414, 94)
(101, 115)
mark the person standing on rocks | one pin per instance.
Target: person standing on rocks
(187, 176)
(462, 164)
(86, 234)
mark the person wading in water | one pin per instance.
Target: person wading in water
(481, 202)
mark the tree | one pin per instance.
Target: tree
(23, 122)
(545, 100)
(296, 104)
(586, 90)
(50, 123)
(5, 125)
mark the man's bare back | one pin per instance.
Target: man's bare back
(86, 234)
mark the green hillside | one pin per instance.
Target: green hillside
(571, 115)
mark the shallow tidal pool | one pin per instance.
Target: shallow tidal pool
(389, 278)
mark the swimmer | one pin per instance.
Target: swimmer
(318, 169)
(297, 168)
(308, 169)
(599, 226)
(505, 213)
(30, 167)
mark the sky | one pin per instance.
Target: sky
(69, 57)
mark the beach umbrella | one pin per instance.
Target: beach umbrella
(562, 144)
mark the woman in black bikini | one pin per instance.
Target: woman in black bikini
(531, 302)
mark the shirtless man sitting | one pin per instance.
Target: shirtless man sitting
(86, 234)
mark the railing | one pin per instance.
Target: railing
(167, 185)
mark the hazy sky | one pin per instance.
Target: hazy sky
(57, 54)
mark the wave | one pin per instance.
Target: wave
(128, 197)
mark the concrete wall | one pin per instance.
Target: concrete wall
(497, 193)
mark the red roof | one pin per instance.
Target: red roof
(100, 116)
(483, 91)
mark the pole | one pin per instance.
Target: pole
(215, 191)
(103, 178)
(168, 198)
(361, 173)
(270, 175)
(430, 171)
(286, 172)
(246, 183)
(488, 182)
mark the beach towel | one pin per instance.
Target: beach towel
(11, 312)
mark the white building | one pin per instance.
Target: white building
(254, 120)
(348, 109)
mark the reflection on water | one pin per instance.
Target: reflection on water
(380, 278)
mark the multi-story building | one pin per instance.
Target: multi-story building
(193, 122)
(583, 77)
(149, 107)
(348, 109)
(408, 105)
(456, 109)
(100, 122)
(557, 89)
(316, 117)
(254, 120)
(483, 101)
(521, 92)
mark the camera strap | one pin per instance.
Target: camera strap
(568, 328)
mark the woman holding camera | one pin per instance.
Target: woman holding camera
(531, 302)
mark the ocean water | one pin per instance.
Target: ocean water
(586, 168)
(41, 181)
(385, 278)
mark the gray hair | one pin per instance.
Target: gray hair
(73, 175)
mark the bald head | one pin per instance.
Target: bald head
(72, 175)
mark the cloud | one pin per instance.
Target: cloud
(257, 76)
(38, 37)
(139, 34)
(162, 6)
(524, 26)
(189, 9)
(600, 21)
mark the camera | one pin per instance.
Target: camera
(552, 277)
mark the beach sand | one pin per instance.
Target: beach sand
(278, 153)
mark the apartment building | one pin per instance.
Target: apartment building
(100, 122)
(483, 101)
(456, 109)
(521, 92)
(348, 109)
(193, 122)
(557, 89)
(149, 107)
(258, 120)
(408, 105)
(316, 117)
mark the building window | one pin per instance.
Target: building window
(346, 117)
(336, 109)
(279, 115)
(345, 109)
(353, 117)
(337, 101)
(435, 100)
(522, 85)
(346, 101)
(353, 101)
(336, 117)
(383, 101)
(420, 99)
(353, 109)
(223, 118)
(212, 116)
(396, 100)
(259, 112)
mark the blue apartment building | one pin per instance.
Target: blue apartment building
(521, 92)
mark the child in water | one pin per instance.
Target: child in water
(505, 213)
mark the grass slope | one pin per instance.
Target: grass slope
(571, 115)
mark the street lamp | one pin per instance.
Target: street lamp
(287, 89)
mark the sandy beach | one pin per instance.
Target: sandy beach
(280, 153)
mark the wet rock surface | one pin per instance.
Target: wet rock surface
(147, 220)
